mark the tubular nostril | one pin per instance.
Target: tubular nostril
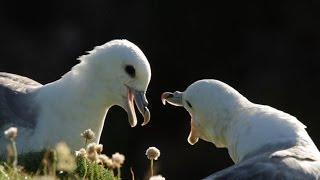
(170, 96)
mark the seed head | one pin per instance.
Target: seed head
(88, 134)
(91, 148)
(81, 153)
(92, 152)
(66, 161)
(153, 153)
(106, 161)
(11, 133)
(118, 159)
(99, 148)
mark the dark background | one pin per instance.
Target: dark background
(268, 51)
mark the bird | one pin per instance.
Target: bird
(262, 141)
(115, 73)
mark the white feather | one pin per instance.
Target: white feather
(81, 98)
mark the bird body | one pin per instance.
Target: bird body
(263, 142)
(61, 110)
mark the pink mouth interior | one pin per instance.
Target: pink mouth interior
(132, 112)
(194, 134)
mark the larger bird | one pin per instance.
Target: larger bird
(264, 143)
(116, 73)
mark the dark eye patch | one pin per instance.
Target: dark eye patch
(189, 104)
(130, 71)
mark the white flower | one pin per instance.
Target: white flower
(11, 133)
(118, 159)
(153, 153)
(91, 148)
(66, 161)
(99, 148)
(157, 177)
(106, 161)
(88, 134)
(92, 152)
(81, 153)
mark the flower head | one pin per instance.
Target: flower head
(118, 159)
(91, 148)
(99, 148)
(157, 177)
(81, 153)
(106, 161)
(66, 161)
(88, 134)
(92, 152)
(11, 133)
(153, 153)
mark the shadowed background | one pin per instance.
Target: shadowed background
(268, 51)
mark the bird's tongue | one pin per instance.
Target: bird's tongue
(194, 134)
(131, 111)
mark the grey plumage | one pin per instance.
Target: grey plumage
(285, 161)
(16, 105)
(61, 110)
(264, 143)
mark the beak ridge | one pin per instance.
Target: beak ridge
(140, 99)
(172, 98)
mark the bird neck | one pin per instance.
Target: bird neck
(216, 125)
(260, 126)
(72, 104)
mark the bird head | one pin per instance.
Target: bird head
(210, 104)
(126, 73)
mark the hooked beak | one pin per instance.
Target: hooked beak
(176, 100)
(172, 98)
(139, 97)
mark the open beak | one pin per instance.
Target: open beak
(139, 97)
(176, 100)
(172, 98)
(194, 134)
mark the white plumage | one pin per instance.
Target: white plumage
(264, 143)
(116, 73)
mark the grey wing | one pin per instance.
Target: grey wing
(17, 107)
(287, 168)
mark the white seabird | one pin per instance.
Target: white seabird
(263, 142)
(116, 73)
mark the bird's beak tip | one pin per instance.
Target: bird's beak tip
(172, 98)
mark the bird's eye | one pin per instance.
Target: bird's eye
(189, 104)
(130, 71)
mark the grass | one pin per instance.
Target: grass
(42, 165)
(62, 163)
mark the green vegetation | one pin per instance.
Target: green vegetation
(61, 163)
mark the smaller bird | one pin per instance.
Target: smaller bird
(263, 142)
(116, 73)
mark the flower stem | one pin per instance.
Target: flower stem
(151, 167)
(85, 169)
(15, 154)
(119, 173)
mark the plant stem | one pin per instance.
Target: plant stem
(85, 169)
(15, 154)
(132, 174)
(119, 173)
(86, 142)
(151, 167)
